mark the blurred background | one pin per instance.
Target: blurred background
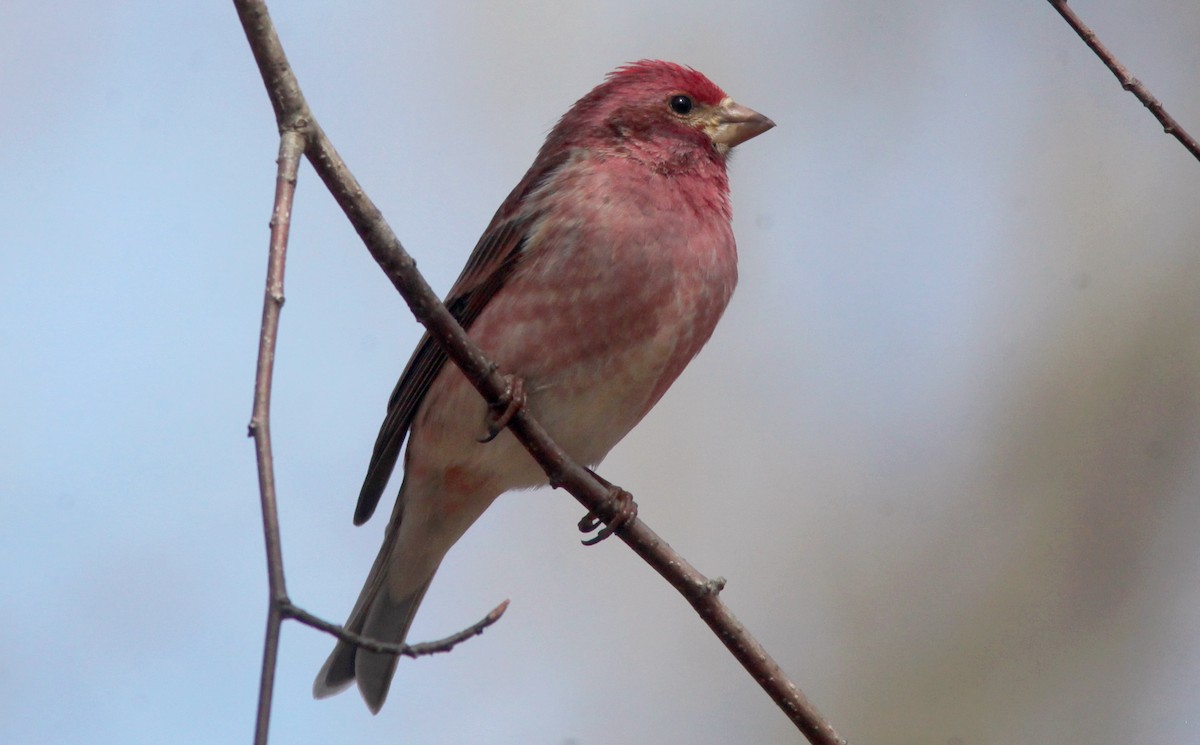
(944, 445)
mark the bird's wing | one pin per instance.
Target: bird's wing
(487, 269)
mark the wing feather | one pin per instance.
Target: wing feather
(491, 263)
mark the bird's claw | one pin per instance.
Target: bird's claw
(623, 510)
(502, 412)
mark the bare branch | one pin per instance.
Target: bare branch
(291, 147)
(292, 113)
(1128, 82)
(423, 649)
(291, 144)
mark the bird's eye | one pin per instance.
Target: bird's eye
(681, 104)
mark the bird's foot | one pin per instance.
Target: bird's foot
(623, 510)
(502, 412)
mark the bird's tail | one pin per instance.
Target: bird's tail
(420, 532)
(387, 620)
(384, 611)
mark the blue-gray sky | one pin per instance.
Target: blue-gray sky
(943, 445)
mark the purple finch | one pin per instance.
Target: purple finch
(597, 281)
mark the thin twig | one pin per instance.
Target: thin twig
(292, 111)
(1128, 82)
(291, 145)
(280, 606)
(423, 649)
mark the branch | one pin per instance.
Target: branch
(293, 139)
(290, 146)
(423, 649)
(292, 112)
(1128, 82)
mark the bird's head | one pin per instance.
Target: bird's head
(659, 111)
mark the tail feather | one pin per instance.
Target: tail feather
(384, 619)
(336, 673)
(413, 547)
(387, 620)
(384, 611)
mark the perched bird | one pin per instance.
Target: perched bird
(600, 277)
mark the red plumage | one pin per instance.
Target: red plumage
(654, 74)
(598, 279)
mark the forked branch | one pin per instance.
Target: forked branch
(292, 144)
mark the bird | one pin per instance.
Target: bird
(599, 278)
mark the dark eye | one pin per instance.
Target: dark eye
(681, 104)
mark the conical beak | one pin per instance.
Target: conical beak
(734, 124)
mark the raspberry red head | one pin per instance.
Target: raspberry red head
(657, 108)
